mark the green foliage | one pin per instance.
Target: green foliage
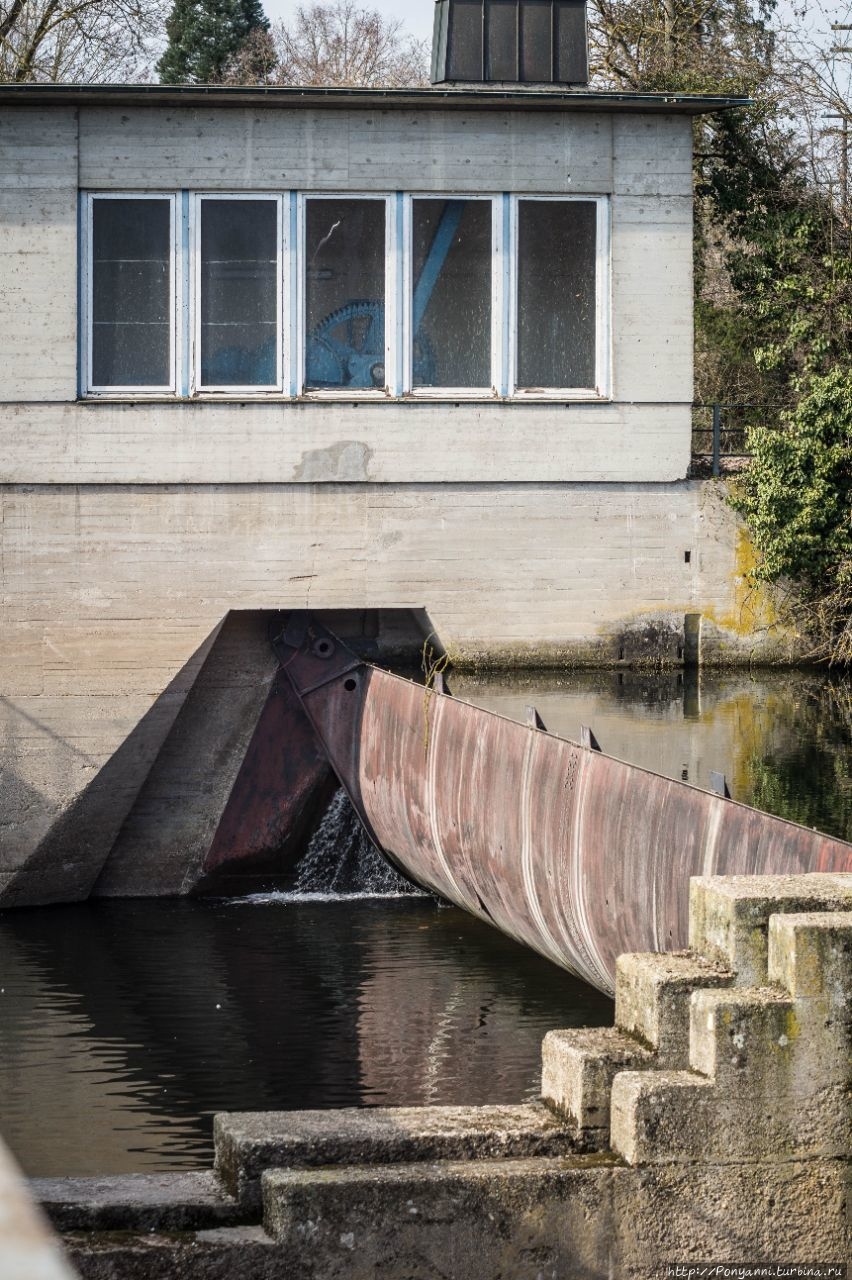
(773, 276)
(205, 36)
(807, 776)
(788, 259)
(796, 496)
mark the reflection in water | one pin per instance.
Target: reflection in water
(125, 1025)
(782, 738)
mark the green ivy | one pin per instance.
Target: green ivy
(796, 495)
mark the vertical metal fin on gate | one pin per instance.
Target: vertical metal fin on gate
(719, 784)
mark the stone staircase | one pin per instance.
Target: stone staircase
(713, 1122)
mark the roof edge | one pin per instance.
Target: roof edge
(488, 97)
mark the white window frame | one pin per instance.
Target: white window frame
(283, 285)
(497, 300)
(603, 310)
(388, 392)
(185, 285)
(176, 269)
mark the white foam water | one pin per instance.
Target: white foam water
(341, 864)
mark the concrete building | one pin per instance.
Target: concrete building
(413, 350)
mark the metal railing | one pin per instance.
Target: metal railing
(720, 431)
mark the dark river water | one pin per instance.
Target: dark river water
(125, 1026)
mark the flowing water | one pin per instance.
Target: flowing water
(124, 1026)
(342, 862)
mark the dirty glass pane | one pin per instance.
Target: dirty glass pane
(452, 293)
(131, 293)
(239, 293)
(557, 244)
(345, 294)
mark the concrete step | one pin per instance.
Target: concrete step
(225, 1253)
(770, 1066)
(578, 1068)
(447, 1220)
(729, 915)
(652, 995)
(743, 1039)
(249, 1144)
(662, 1117)
(138, 1202)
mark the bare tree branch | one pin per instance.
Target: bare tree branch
(78, 41)
(337, 44)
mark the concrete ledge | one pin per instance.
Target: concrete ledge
(139, 1202)
(246, 1145)
(529, 1219)
(235, 1253)
(514, 1218)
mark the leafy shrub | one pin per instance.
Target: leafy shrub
(796, 496)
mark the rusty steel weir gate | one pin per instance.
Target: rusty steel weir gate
(578, 855)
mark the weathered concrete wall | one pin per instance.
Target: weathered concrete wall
(529, 533)
(38, 256)
(641, 432)
(713, 1123)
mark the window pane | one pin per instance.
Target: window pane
(557, 244)
(131, 293)
(452, 293)
(239, 293)
(345, 293)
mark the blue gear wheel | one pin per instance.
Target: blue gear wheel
(357, 357)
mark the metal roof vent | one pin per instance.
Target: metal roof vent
(510, 41)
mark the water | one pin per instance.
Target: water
(125, 1025)
(342, 862)
(783, 739)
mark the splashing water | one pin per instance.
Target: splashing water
(341, 859)
(341, 862)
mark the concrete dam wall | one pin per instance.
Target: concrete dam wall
(134, 647)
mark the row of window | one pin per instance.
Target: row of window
(374, 295)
